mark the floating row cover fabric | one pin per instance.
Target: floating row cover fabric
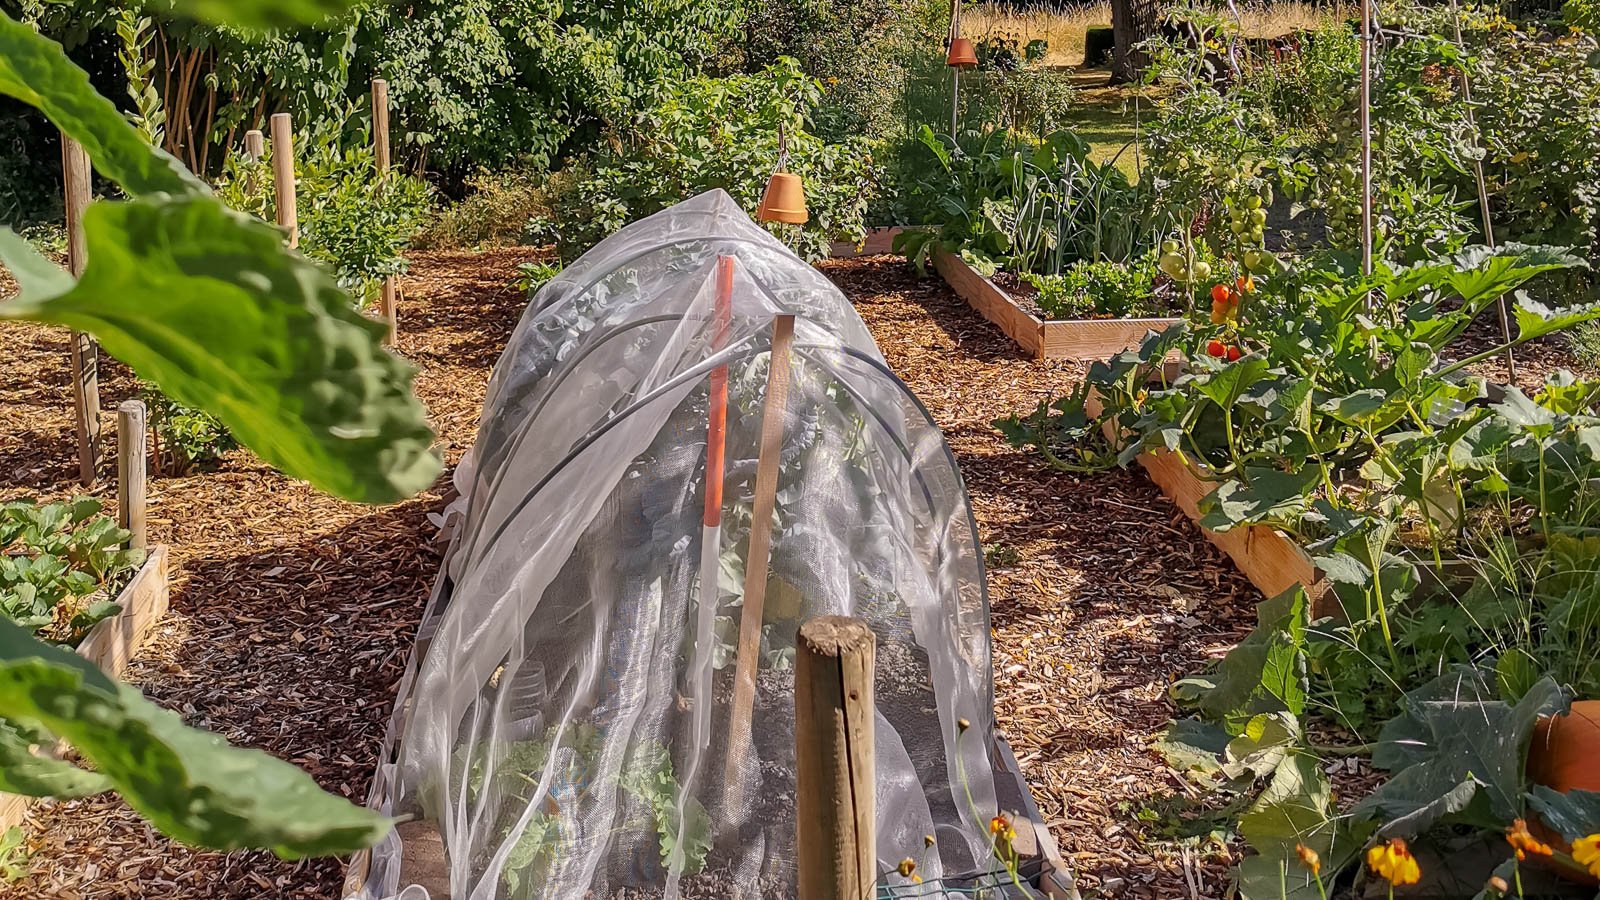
(568, 725)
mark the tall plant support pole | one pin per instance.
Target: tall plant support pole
(132, 438)
(752, 612)
(1366, 137)
(835, 807)
(955, 71)
(85, 361)
(705, 637)
(388, 302)
(1483, 197)
(283, 176)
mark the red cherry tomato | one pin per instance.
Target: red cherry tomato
(1234, 353)
(1219, 293)
(1217, 349)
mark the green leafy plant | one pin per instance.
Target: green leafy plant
(208, 304)
(61, 565)
(1092, 290)
(719, 133)
(186, 438)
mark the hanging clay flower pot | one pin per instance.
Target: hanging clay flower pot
(1565, 756)
(963, 55)
(785, 200)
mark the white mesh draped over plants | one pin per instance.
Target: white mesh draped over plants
(567, 726)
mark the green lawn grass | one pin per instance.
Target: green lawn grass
(1108, 118)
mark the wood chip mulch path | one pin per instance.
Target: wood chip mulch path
(1102, 593)
(293, 613)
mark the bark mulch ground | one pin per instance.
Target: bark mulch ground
(1102, 592)
(293, 613)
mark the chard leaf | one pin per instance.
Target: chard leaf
(22, 771)
(35, 70)
(205, 302)
(263, 14)
(190, 784)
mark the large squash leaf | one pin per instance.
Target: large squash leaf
(191, 784)
(1265, 673)
(33, 774)
(1574, 814)
(205, 302)
(35, 70)
(1457, 752)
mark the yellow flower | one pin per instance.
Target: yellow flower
(1000, 826)
(1309, 859)
(1587, 852)
(1524, 842)
(1394, 862)
(907, 868)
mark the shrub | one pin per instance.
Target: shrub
(185, 438)
(717, 133)
(494, 214)
(351, 220)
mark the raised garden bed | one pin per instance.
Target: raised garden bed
(878, 242)
(1081, 339)
(112, 643)
(1272, 560)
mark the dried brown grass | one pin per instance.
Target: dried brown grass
(1063, 28)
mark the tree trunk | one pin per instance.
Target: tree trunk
(1132, 21)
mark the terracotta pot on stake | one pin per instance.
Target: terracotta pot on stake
(963, 55)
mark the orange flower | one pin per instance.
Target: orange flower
(1245, 285)
(1524, 842)
(1586, 851)
(1394, 863)
(1309, 859)
(1000, 826)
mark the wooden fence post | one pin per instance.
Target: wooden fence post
(76, 187)
(283, 175)
(388, 302)
(255, 147)
(834, 759)
(132, 439)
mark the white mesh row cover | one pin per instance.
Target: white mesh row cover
(567, 727)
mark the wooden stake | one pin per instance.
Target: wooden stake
(76, 185)
(834, 760)
(752, 612)
(1366, 139)
(255, 144)
(255, 147)
(283, 175)
(132, 441)
(388, 301)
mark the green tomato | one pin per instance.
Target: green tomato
(1237, 227)
(1258, 217)
(1252, 202)
(1169, 246)
(1173, 265)
(1201, 271)
(1252, 260)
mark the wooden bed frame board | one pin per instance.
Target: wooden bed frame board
(1271, 559)
(112, 643)
(1078, 339)
(878, 242)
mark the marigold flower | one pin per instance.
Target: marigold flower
(1524, 842)
(1394, 863)
(1309, 859)
(1000, 826)
(907, 867)
(1587, 852)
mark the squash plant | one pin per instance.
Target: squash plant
(207, 303)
